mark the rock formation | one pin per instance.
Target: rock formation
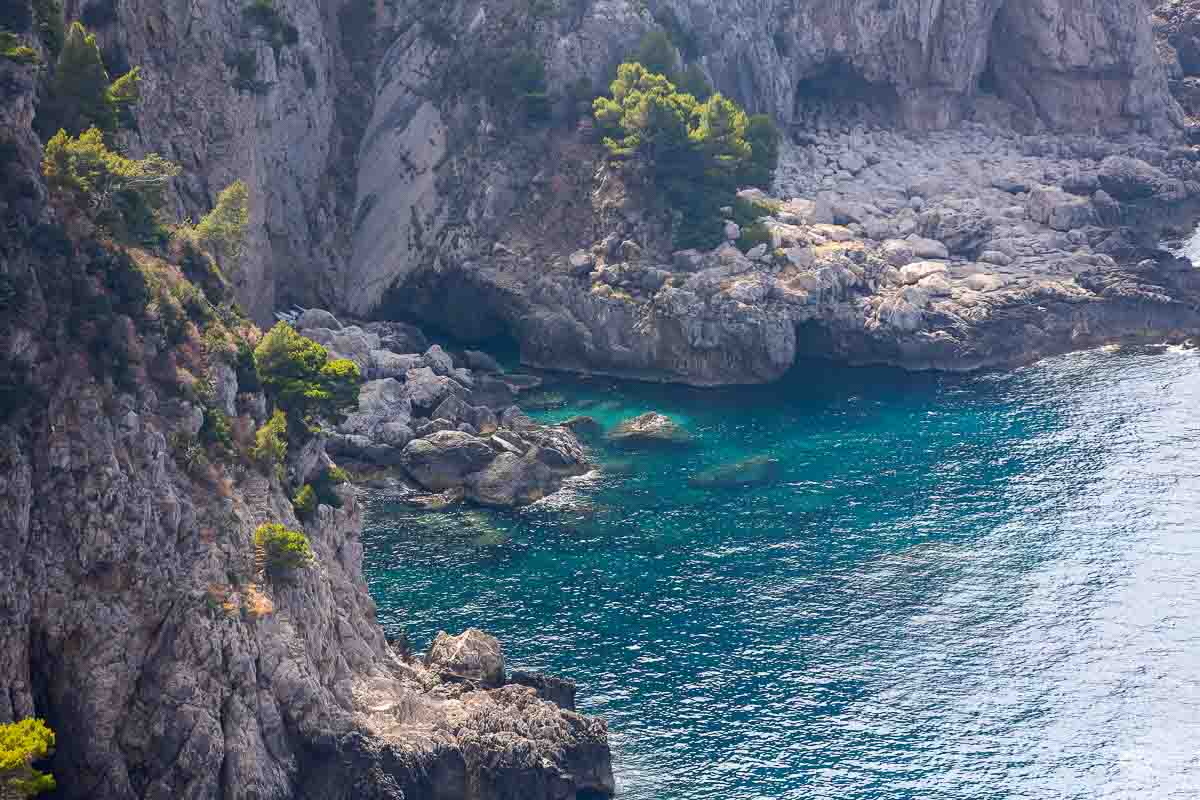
(137, 616)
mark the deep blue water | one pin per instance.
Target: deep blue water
(958, 587)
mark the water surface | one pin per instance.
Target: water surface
(955, 587)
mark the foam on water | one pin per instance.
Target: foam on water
(954, 587)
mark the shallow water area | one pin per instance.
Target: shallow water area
(944, 587)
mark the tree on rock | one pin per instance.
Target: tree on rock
(299, 376)
(81, 94)
(695, 152)
(22, 744)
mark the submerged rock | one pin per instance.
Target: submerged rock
(650, 428)
(753, 471)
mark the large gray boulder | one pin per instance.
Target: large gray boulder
(386, 364)
(426, 390)
(445, 459)
(472, 655)
(317, 318)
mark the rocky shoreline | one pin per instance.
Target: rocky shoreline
(958, 250)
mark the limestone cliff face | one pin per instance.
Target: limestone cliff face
(137, 617)
(230, 98)
(444, 174)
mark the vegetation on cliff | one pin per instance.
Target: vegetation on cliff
(81, 95)
(300, 378)
(282, 551)
(695, 153)
(22, 744)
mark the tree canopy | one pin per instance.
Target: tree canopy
(696, 152)
(81, 94)
(21, 745)
(298, 374)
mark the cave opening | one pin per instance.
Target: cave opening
(839, 93)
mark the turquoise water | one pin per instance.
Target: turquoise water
(955, 587)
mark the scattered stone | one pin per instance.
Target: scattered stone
(439, 360)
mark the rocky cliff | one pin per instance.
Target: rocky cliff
(139, 617)
(467, 217)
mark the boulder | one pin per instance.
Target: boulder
(362, 448)
(454, 409)
(394, 434)
(471, 656)
(587, 427)
(915, 272)
(733, 231)
(444, 459)
(399, 337)
(439, 360)
(510, 480)
(484, 419)
(386, 364)
(317, 318)
(425, 390)
(898, 252)
(1128, 178)
(1051, 206)
(996, 257)
(434, 426)
(926, 248)
(481, 362)
(650, 428)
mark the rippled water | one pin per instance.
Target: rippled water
(958, 587)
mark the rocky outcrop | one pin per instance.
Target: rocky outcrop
(650, 428)
(138, 618)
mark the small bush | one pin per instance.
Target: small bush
(337, 475)
(13, 49)
(222, 231)
(22, 744)
(189, 453)
(305, 502)
(754, 235)
(216, 431)
(271, 443)
(325, 484)
(283, 551)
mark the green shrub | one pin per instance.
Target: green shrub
(657, 54)
(764, 137)
(222, 231)
(283, 551)
(81, 95)
(325, 484)
(243, 365)
(21, 745)
(271, 443)
(519, 79)
(189, 453)
(298, 375)
(118, 192)
(216, 431)
(754, 235)
(305, 502)
(13, 49)
(693, 81)
(245, 72)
